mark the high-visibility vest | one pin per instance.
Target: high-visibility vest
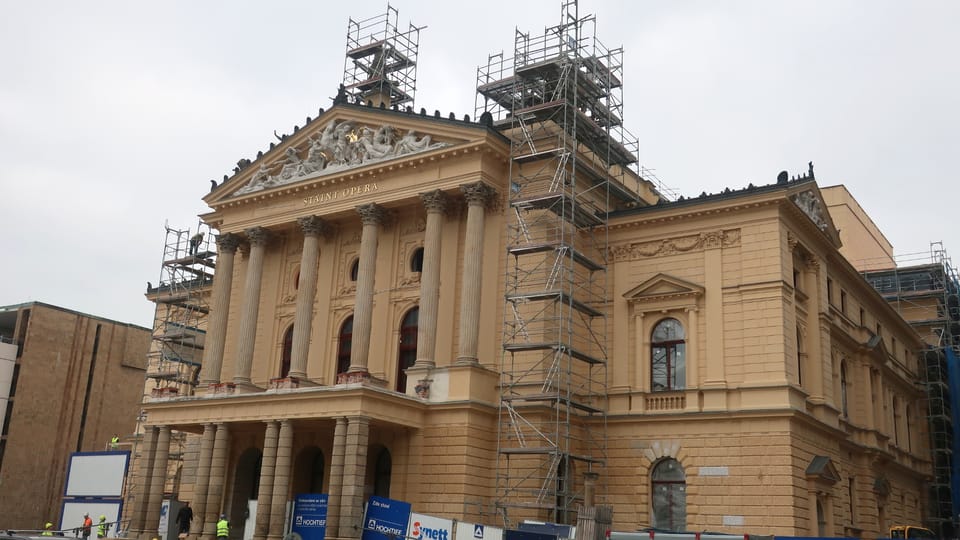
(223, 528)
(102, 529)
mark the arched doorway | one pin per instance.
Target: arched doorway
(308, 471)
(285, 352)
(344, 346)
(246, 484)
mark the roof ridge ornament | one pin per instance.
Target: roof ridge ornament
(810, 205)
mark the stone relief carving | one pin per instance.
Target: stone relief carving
(340, 146)
(670, 246)
(810, 205)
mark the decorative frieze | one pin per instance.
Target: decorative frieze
(810, 204)
(672, 246)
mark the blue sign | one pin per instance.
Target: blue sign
(510, 534)
(310, 516)
(385, 519)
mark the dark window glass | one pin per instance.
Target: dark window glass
(408, 347)
(668, 356)
(355, 270)
(344, 345)
(286, 352)
(416, 260)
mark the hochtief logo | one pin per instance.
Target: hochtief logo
(385, 529)
(310, 522)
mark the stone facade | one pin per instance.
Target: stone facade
(78, 382)
(794, 414)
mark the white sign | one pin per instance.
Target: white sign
(733, 521)
(714, 471)
(424, 527)
(476, 531)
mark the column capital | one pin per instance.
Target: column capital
(313, 225)
(258, 236)
(228, 242)
(371, 214)
(434, 201)
(477, 193)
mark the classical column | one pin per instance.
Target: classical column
(218, 469)
(371, 216)
(312, 227)
(158, 479)
(281, 479)
(477, 195)
(202, 481)
(258, 237)
(142, 492)
(435, 202)
(262, 526)
(336, 475)
(220, 310)
(354, 474)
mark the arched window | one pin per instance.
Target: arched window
(416, 260)
(355, 270)
(381, 474)
(344, 345)
(843, 389)
(668, 356)
(408, 347)
(285, 352)
(669, 496)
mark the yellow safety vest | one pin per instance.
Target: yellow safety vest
(102, 529)
(223, 528)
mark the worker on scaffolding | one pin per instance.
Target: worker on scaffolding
(195, 241)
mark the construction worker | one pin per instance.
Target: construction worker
(115, 441)
(195, 243)
(223, 527)
(87, 525)
(102, 527)
(47, 529)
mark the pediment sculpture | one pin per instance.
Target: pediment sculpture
(811, 206)
(340, 146)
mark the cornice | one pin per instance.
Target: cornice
(669, 213)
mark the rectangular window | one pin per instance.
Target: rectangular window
(843, 302)
(829, 291)
(851, 493)
(862, 318)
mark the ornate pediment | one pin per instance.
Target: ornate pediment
(663, 286)
(813, 207)
(339, 146)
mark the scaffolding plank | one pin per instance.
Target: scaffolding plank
(534, 248)
(556, 296)
(553, 397)
(544, 346)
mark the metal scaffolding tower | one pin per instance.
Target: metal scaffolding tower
(381, 61)
(559, 102)
(182, 305)
(928, 297)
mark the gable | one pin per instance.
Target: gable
(342, 140)
(810, 203)
(663, 286)
(822, 470)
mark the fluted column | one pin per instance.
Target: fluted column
(477, 195)
(336, 475)
(220, 310)
(281, 480)
(218, 469)
(436, 203)
(202, 481)
(264, 495)
(258, 237)
(354, 474)
(312, 227)
(371, 215)
(142, 492)
(158, 479)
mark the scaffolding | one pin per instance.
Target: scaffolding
(381, 61)
(558, 100)
(926, 293)
(182, 305)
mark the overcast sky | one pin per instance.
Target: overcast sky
(114, 116)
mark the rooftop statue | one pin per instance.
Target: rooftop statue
(339, 146)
